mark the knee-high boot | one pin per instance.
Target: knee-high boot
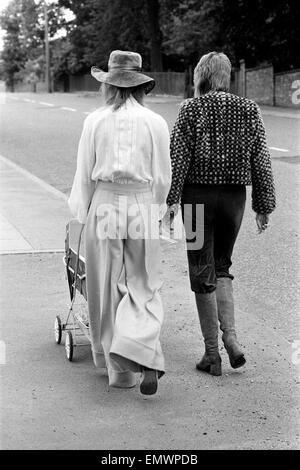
(208, 316)
(224, 293)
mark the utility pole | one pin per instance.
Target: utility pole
(47, 51)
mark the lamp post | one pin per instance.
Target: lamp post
(47, 51)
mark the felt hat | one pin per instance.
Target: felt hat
(124, 71)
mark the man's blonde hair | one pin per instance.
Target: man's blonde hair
(212, 73)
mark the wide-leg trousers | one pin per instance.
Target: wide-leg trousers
(123, 282)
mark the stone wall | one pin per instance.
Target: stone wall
(287, 89)
(260, 84)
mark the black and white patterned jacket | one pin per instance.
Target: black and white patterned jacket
(220, 138)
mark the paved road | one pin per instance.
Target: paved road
(49, 403)
(42, 136)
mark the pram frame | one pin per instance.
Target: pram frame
(76, 327)
(77, 281)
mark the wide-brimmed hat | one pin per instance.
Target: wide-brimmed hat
(124, 70)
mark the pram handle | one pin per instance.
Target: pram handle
(77, 264)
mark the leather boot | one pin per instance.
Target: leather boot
(208, 316)
(225, 303)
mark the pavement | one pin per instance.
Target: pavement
(33, 214)
(49, 403)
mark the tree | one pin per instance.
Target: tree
(32, 71)
(193, 29)
(23, 21)
(64, 61)
(153, 7)
(104, 25)
(13, 55)
(169, 34)
(262, 31)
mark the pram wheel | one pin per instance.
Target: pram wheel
(57, 330)
(69, 346)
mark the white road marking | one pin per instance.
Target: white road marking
(26, 252)
(86, 112)
(279, 149)
(45, 103)
(68, 109)
(281, 114)
(2, 353)
(34, 178)
(28, 100)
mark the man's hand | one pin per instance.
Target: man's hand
(168, 218)
(173, 208)
(262, 221)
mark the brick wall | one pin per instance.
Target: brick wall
(260, 85)
(286, 86)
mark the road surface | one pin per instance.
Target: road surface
(50, 403)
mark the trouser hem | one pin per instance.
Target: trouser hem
(135, 355)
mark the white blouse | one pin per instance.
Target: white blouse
(124, 146)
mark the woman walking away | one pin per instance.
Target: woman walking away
(123, 174)
(218, 146)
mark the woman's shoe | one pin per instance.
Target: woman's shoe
(149, 382)
(212, 365)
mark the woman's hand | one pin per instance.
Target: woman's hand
(262, 221)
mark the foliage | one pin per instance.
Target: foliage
(13, 55)
(64, 60)
(169, 33)
(32, 71)
(262, 31)
(192, 29)
(105, 25)
(23, 21)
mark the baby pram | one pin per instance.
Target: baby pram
(76, 325)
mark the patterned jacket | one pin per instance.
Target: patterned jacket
(220, 138)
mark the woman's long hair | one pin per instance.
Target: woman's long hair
(212, 73)
(117, 96)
